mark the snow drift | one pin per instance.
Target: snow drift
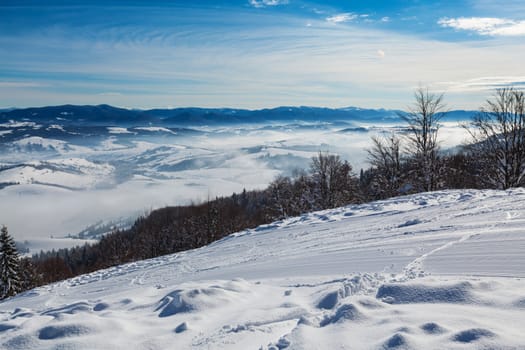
(428, 271)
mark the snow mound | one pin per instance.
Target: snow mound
(415, 293)
(181, 327)
(20, 342)
(177, 302)
(356, 285)
(180, 301)
(355, 277)
(432, 328)
(68, 309)
(472, 335)
(346, 312)
(64, 331)
(397, 341)
(4, 327)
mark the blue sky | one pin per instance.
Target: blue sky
(257, 53)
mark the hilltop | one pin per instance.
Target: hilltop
(432, 270)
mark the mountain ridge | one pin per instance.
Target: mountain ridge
(104, 114)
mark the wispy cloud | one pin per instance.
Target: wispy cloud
(216, 57)
(342, 17)
(486, 25)
(484, 83)
(20, 84)
(110, 93)
(264, 3)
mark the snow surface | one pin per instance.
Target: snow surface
(72, 173)
(439, 270)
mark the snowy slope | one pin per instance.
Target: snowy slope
(439, 270)
(72, 173)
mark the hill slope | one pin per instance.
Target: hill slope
(435, 270)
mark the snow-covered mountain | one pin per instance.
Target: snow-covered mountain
(439, 270)
(104, 115)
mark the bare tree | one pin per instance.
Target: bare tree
(385, 157)
(498, 134)
(423, 125)
(333, 182)
(280, 192)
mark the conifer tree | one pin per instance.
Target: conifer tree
(10, 283)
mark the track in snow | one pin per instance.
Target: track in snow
(414, 272)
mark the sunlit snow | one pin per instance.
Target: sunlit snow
(437, 270)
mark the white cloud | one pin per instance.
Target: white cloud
(385, 19)
(264, 3)
(486, 25)
(381, 53)
(484, 83)
(342, 17)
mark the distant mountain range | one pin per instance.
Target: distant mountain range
(109, 115)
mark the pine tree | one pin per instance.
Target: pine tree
(10, 283)
(29, 277)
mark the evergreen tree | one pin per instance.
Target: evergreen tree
(29, 277)
(10, 283)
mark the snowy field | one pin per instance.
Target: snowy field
(440, 270)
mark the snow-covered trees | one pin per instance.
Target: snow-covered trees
(333, 182)
(423, 125)
(498, 134)
(385, 158)
(10, 279)
(281, 197)
(329, 183)
(414, 166)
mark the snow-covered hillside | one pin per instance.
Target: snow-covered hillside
(439, 270)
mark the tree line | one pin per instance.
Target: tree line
(413, 161)
(410, 161)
